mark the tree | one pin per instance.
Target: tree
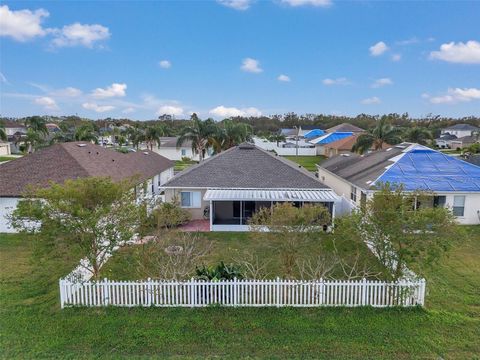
(32, 140)
(136, 135)
(291, 225)
(277, 138)
(200, 133)
(86, 132)
(153, 135)
(383, 133)
(37, 124)
(3, 133)
(87, 215)
(418, 135)
(235, 133)
(404, 229)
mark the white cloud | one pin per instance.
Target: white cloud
(47, 102)
(371, 100)
(317, 3)
(378, 49)
(97, 108)
(128, 110)
(21, 25)
(396, 57)
(412, 40)
(165, 64)
(454, 96)
(226, 112)
(382, 82)
(170, 110)
(251, 65)
(114, 90)
(337, 81)
(236, 4)
(80, 34)
(283, 77)
(67, 92)
(465, 53)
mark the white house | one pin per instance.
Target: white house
(228, 188)
(168, 148)
(454, 183)
(5, 148)
(460, 130)
(73, 160)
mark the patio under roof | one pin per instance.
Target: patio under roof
(308, 195)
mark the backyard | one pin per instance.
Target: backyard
(308, 162)
(33, 326)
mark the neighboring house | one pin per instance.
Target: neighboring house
(463, 142)
(345, 127)
(344, 146)
(312, 134)
(13, 127)
(286, 148)
(328, 138)
(445, 140)
(454, 183)
(5, 148)
(74, 160)
(168, 148)
(304, 131)
(229, 187)
(460, 130)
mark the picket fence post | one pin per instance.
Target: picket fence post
(235, 291)
(62, 293)
(422, 292)
(193, 293)
(105, 292)
(364, 291)
(278, 292)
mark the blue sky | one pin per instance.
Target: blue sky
(239, 57)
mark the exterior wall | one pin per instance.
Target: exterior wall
(196, 213)
(166, 175)
(5, 148)
(457, 133)
(269, 146)
(340, 186)
(7, 206)
(12, 130)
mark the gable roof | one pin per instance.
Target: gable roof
(73, 160)
(345, 127)
(462, 127)
(246, 167)
(416, 167)
(347, 143)
(330, 137)
(310, 134)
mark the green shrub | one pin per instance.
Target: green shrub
(220, 272)
(170, 215)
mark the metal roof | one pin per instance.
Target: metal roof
(331, 137)
(314, 133)
(309, 195)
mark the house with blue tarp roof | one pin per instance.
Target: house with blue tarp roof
(312, 134)
(454, 183)
(328, 138)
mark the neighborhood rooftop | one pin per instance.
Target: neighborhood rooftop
(345, 127)
(246, 167)
(464, 127)
(415, 166)
(72, 160)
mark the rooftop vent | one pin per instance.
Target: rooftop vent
(81, 145)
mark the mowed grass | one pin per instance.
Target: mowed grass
(33, 326)
(181, 165)
(308, 162)
(236, 247)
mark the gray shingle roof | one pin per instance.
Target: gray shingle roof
(358, 169)
(249, 167)
(345, 127)
(462, 127)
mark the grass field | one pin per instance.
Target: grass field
(182, 165)
(232, 247)
(32, 325)
(308, 162)
(7, 158)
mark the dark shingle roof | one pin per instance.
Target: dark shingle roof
(462, 127)
(345, 127)
(171, 142)
(60, 162)
(249, 167)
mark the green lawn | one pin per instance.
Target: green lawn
(7, 158)
(308, 162)
(32, 325)
(233, 247)
(182, 165)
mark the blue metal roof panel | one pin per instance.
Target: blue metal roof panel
(314, 133)
(334, 137)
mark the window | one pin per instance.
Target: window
(353, 193)
(184, 152)
(190, 199)
(439, 201)
(458, 205)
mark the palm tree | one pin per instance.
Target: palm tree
(153, 135)
(37, 124)
(418, 135)
(3, 133)
(32, 140)
(136, 135)
(200, 133)
(276, 138)
(86, 132)
(235, 133)
(383, 133)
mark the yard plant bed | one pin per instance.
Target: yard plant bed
(33, 326)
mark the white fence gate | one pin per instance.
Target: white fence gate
(249, 293)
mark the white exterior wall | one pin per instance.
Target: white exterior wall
(5, 148)
(269, 146)
(172, 153)
(458, 133)
(7, 206)
(12, 130)
(165, 176)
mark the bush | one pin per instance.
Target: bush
(220, 272)
(170, 215)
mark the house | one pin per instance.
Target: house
(303, 131)
(168, 148)
(344, 146)
(230, 187)
(460, 130)
(454, 183)
(299, 147)
(14, 128)
(5, 148)
(444, 141)
(74, 160)
(463, 142)
(345, 127)
(328, 138)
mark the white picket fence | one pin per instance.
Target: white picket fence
(247, 293)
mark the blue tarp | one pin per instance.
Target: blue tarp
(314, 133)
(421, 169)
(334, 137)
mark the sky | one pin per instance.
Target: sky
(239, 57)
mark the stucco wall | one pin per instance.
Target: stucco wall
(340, 186)
(197, 213)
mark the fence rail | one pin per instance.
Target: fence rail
(249, 293)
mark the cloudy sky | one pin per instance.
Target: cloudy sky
(239, 57)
